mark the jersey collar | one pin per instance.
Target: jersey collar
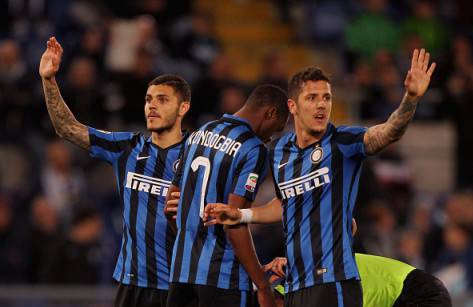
(236, 120)
(184, 133)
(328, 133)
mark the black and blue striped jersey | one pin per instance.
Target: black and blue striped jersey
(223, 157)
(144, 172)
(318, 186)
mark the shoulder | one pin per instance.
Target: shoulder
(349, 134)
(281, 141)
(100, 136)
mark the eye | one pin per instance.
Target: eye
(327, 97)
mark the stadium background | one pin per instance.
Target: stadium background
(60, 220)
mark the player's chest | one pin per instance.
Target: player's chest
(298, 172)
(150, 172)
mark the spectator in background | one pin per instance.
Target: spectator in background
(425, 23)
(83, 91)
(62, 183)
(409, 248)
(457, 235)
(13, 260)
(326, 20)
(17, 108)
(458, 250)
(200, 45)
(78, 259)
(395, 178)
(372, 30)
(231, 100)
(133, 86)
(92, 46)
(459, 103)
(384, 91)
(376, 237)
(208, 90)
(165, 12)
(274, 69)
(45, 236)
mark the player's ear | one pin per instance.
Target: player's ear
(291, 104)
(270, 113)
(184, 108)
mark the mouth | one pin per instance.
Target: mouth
(319, 116)
(153, 116)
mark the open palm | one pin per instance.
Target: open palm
(51, 59)
(418, 78)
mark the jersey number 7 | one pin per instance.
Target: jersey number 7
(205, 163)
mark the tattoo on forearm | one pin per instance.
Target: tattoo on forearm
(380, 136)
(63, 120)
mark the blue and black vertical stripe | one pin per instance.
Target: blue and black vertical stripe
(317, 222)
(202, 255)
(147, 239)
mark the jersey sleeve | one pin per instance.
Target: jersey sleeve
(350, 141)
(250, 173)
(108, 146)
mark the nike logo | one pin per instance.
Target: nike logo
(142, 158)
(281, 165)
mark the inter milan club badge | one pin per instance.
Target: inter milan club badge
(175, 165)
(317, 155)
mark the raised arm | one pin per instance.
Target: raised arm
(63, 120)
(416, 83)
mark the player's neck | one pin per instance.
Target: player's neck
(249, 117)
(304, 138)
(167, 138)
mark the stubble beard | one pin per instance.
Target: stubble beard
(168, 125)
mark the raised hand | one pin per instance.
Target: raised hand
(217, 213)
(51, 59)
(418, 77)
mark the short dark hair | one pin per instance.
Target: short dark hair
(180, 86)
(298, 79)
(268, 94)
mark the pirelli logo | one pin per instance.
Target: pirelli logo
(299, 186)
(147, 184)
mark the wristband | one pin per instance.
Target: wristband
(246, 216)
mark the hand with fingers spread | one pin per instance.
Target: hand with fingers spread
(418, 78)
(218, 213)
(277, 267)
(51, 59)
(170, 209)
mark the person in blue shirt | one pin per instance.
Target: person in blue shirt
(144, 168)
(224, 161)
(316, 170)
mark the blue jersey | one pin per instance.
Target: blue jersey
(221, 158)
(318, 186)
(144, 172)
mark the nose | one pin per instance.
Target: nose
(321, 105)
(152, 104)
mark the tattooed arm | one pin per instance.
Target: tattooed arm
(63, 120)
(417, 80)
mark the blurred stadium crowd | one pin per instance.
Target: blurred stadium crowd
(60, 218)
